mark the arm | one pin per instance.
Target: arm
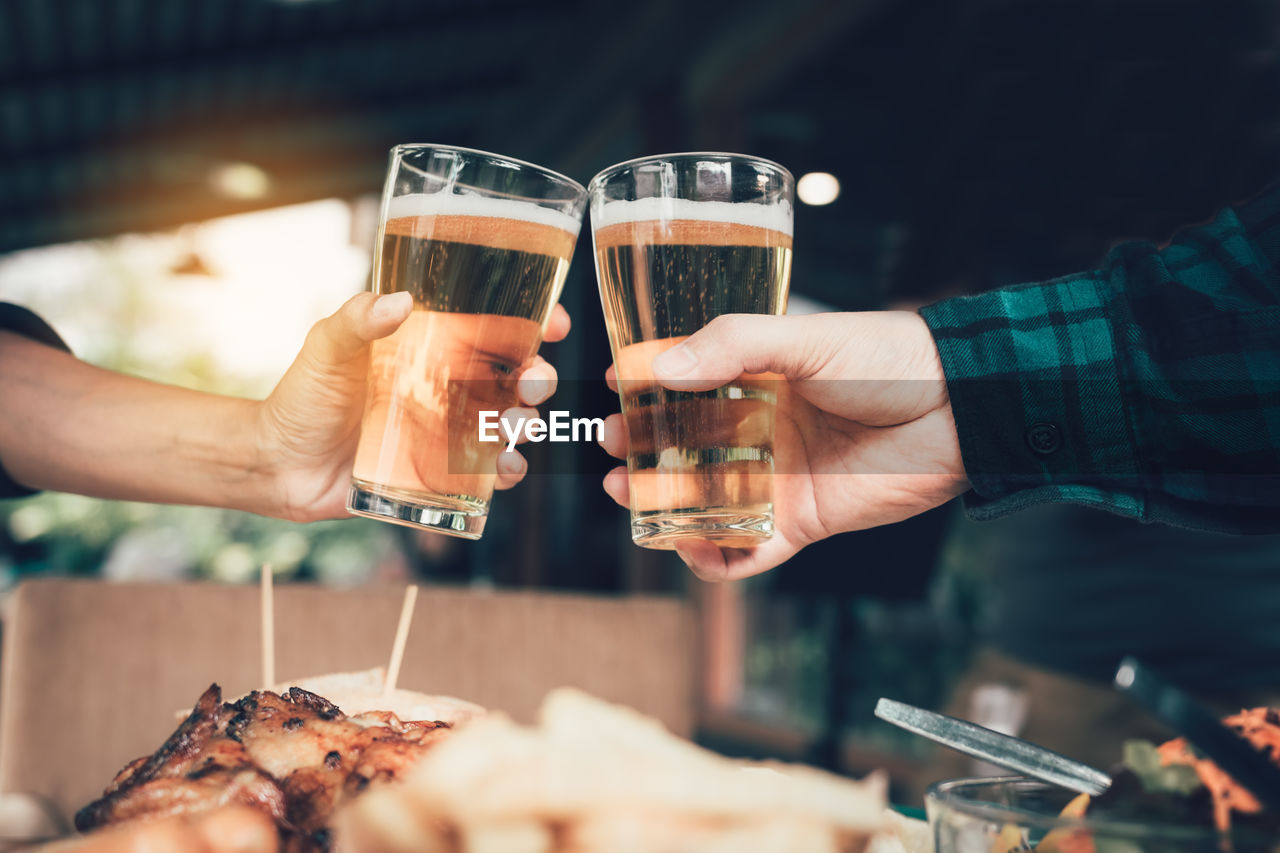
(73, 427)
(1150, 387)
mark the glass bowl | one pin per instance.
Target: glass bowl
(1014, 814)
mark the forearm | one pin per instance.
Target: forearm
(69, 426)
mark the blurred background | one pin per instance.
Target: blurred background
(186, 186)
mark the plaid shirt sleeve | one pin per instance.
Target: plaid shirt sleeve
(1150, 387)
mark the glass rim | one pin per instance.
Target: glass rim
(403, 147)
(609, 171)
(951, 794)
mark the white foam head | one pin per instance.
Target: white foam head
(452, 204)
(775, 217)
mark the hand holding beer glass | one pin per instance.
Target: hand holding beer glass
(483, 243)
(680, 240)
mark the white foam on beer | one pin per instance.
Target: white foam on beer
(775, 217)
(452, 204)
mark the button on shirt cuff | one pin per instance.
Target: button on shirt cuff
(1036, 392)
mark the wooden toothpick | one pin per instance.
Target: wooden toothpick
(268, 629)
(402, 636)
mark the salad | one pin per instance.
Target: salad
(1171, 785)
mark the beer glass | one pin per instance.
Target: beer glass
(483, 243)
(679, 240)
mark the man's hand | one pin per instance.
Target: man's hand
(864, 435)
(310, 425)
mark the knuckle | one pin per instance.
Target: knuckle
(727, 326)
(713, 339)
(317, 336)
(354, 313)
(704, 574)
(361, 300)
(349, 315)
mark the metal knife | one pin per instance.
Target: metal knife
(1002, 750)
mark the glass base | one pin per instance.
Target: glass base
(729, 529)
(416, 513)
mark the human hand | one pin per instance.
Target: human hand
(310, 424)
(864, 431)
(229, 829)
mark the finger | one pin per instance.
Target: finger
(611, 379)
(537, 383)
(703, 559)
(714, 564)
(511, 469)
(734, 344)
(558, 326)
(237, 829)
(614, 440)
(164, 834)
(615, 486)
(363, 318)
(513, 417)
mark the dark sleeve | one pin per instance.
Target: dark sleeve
(1150, 387)
(23, 322)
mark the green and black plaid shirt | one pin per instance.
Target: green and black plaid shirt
(1150, 387)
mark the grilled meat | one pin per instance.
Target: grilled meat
(294, 757)
(197, 769)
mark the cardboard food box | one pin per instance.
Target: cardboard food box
(93, 672)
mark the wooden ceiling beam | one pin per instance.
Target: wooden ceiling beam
(587, 82)
(766, 44)
(221, 137)
(463, 25)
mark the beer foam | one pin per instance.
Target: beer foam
(775, 217)
(452, 204)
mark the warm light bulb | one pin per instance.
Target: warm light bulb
(818, 188)
(239, 180)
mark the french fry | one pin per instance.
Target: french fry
(593, 777)
(387, 821)
(903, 835)
(521, 836)
(638, 833)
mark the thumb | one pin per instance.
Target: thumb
(734, 344)
(363, 318)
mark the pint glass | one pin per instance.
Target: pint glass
(680, 240)
(483, 243)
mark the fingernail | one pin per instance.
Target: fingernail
(391, 305)
(684, 558)
(677, 361)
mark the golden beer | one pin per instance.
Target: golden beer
(485, 274)
(700, 464)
